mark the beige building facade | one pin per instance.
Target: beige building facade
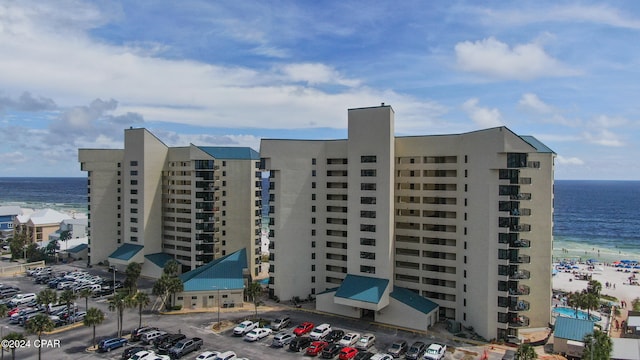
(464, 220)
(150, 202)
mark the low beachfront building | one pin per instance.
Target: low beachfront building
(463, 220)
(568, 335)
(39, 225)
(78, 252)
(7, 216)
(220, 283)
(625, 349)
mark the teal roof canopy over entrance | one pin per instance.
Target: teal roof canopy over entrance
(78, 248)
(126, 251)
(225, 273)
(160, 259)
(362, 288)
(413, 300)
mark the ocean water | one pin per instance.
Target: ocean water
(592, 219)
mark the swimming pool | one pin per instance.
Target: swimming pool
(569, 312)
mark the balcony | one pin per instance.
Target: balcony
(519, 290)
(520, 196)
(520, 275)
(520, 243)
(519, 305)
(520, 259)
(516, 320)
(520, 228)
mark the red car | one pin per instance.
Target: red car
(347, 353)
(14, 311)
(303, 328)
(316, 347)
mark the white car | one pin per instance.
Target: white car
(244, 327)
(349, 339)
(208, 355)
(366, 341)
(435, 352)
(257, 334)
(320, 332)
(381, 357)
(143, 355)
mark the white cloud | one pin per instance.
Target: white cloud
(482, 116)
(493, 58)
(533, 102)
(316, 74)
(603, 137)
(14, 157)
(568, 160)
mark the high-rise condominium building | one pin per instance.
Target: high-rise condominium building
(464, 220)
(149, 203)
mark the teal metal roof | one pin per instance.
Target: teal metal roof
(362, 288)
(225, 273)
(413, 300)
(78, 248)
(160, 259)
(126, 251)
(231, 152)
(572, 329)
(540, 147)
(328, 291)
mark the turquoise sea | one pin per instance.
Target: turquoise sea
(588, 216)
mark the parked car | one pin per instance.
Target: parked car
(347, 353)
(416, 350)
(19, 299)
(280, 323)
(303, 328)
(331, 351)
(148, 336)
(227, 355)
(143, 355)
(208, 355)
(316, 348)
(244, 327)
(7, 293)
(130, 351)
(397, 348)
(167, 341)
(281, 339)
(299, 343)
(79, 316)
(183, 347)
(381, 357)
(320, 331)
(334, 335)
(435, 352)
(366, 341)
(137, 332)
(363, 355)
(110, 344)
(349, 339)
(257, 334)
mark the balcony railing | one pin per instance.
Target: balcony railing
(520, 243)
(521, 259)
(516, 320)
(520, 228)
(521, 196)
(520, 275)
(519, 290)
(519, 305)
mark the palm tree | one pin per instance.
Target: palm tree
(594, 287)
(85, 293)
(13, 336)
(169, 283)
(635, 304)
(4, 310)
(67, 297)
(591, 302)
(118, 302)
(37, 325)
(526, 352)
(597, 346)
(132, 274)
(254, 290)
(93, 317)
(141, 300)
(576, 301)
(46, 297)
(65, 236)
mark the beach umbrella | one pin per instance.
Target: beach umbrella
(626, 261)
(592, 260)
(575, 267)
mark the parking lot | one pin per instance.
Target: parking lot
(73, 343)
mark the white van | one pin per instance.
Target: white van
(149, 336)
(19, 299)
(227, 355)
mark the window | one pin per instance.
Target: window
(313, 185)
(313, 196)
(133, 163)
(367, 200)
(368, 172)
(313, 232)
(367, 269)
(313, 220)
(313, 161)
(134, 182)
(134, 191)
(367, 241)
(134, 172)
(367, 228)
(367, 255)
(367, 186)
(368, 214)
(368, 159)
(313, 208)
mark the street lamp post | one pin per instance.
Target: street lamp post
(218, 296)
(113, 286)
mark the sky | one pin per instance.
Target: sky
(74, 74)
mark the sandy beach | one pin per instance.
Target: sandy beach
(602, 272)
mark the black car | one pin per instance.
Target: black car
(363, 355)
(129, 352)
(167, 342)
(334, 335)
(398, 348)
(416, 350)
(299, 343)
(331, 351)
(137, 333)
